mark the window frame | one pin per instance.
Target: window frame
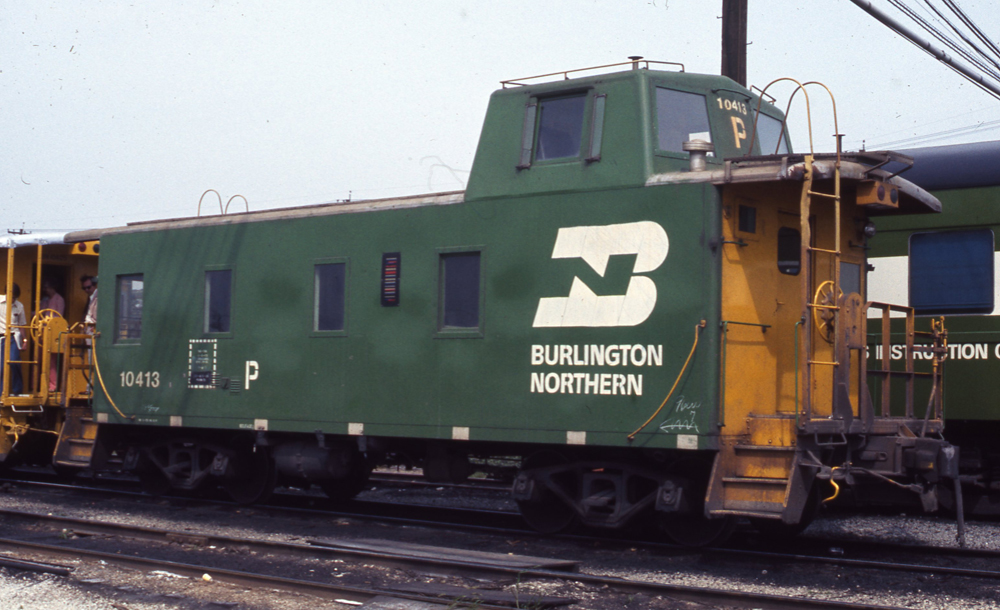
(118, 314)
(783, 132)
(591, 128)
(951, 311)
(678, 154)
(205, 296)
(798, 250)
(314, 303)
(452, 332)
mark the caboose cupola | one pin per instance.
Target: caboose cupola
(613, 130)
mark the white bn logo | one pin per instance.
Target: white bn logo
(583, 308)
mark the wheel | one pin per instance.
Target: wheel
(549, 514)
(152, 479)
(824, 318)
(251, 476)
(693, 528)
(344, 489)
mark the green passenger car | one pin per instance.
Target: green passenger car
(957, 250)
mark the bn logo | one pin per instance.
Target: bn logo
(582, 308)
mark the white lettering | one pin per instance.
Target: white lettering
(640, 359)
(251, 376)
(597, 355)
(567, 384)
(655, 355)
(537, 383)
(635, 385)
(551, 357)
(537, 355)
(605, 383)
(565, 355)
(611, 355)
(553, 387)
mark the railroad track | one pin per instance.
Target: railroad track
(524, 570)
(806, 551)
(506, 523)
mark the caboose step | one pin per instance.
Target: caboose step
(747, 513)
(80, 441)
(777, 448)
(73, 463)
(755, 481)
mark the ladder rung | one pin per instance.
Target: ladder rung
(811, 249)
(830, 195)
(818, 306)
(826, 363)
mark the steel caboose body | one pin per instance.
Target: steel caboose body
(651, 318)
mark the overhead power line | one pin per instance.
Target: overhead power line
(958, 66)
(940, 135)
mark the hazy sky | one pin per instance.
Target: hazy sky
(114, 112)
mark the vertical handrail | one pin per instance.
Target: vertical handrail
(797, 346)
(36, 374)
(910, 376)
(805, 255)
(886, 362)
(5, 390)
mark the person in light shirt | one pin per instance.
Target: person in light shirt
(52, 301)
(17, 339)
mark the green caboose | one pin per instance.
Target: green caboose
(652, 316)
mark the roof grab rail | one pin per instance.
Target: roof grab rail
(784, 123)
(222, 210)
(247, 203)
(634, 61)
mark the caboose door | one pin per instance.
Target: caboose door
(761, 302)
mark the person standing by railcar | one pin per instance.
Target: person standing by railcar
(89, 285)
(17, 343)
(52, 301)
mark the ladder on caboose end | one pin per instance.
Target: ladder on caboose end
(761, 474)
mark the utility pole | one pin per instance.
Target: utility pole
(734, 40)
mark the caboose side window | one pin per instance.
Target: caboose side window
(460, 291)
(128, 315)
(680, 117)
(951, 272)
(770, 137)
(789, 251)
(218, 300)
(560, 127)
(329, 305)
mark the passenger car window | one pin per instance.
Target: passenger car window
(560, 127)
(329, 304)
(128, 314)
(218, 300)
(459, 301)
(680, 117)
(952, 272)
